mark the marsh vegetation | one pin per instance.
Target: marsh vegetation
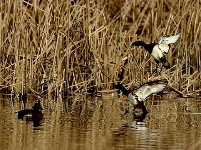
(60, 47)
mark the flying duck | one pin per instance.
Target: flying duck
(158, 50)
(139, 95)
(35, 114)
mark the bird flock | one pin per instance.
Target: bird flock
(158, 52)
(137, 96)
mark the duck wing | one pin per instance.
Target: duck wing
(169, 39)
(150, 88)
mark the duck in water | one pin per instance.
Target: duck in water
(139, 95)
(35, 114)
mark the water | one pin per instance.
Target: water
(98, 124)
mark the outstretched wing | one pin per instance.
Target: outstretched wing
(169, 39)
(150, 88)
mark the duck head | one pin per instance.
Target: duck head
(138, 43)
(119, 86)
(37, 106)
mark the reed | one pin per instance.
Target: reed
(56, 47)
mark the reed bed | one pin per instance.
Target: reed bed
(59, 47)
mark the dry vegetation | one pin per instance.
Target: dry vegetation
(59, 46)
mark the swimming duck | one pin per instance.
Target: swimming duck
(139, 95)
(158, 50)
(35, 114)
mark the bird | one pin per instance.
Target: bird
(35, 114)
(159, 50)
(140, 94)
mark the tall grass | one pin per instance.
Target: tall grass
(54, 47)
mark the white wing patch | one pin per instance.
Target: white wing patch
(169, 39)
(165, 40)
(164, 48)
(157, 53)
(146, 90)
(132, 99)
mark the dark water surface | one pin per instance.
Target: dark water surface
(98, 124)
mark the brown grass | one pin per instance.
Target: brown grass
(59, 46)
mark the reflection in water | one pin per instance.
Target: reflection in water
(97, 123)
(138, 119)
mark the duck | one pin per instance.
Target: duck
(138, 96)
(35, 114)
(159, 50)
